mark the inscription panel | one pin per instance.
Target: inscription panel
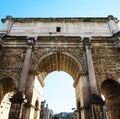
(67, 29)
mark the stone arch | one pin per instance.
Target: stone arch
(7, 85)
(7, 88)
(111, 90)
(5, 105)
(76, 60)
(60, 61)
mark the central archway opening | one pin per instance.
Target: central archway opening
(59, 92)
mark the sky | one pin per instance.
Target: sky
(59, 8)
(59, 92)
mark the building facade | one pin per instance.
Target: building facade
(45, 113)
(86, 48)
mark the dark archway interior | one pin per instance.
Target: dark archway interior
(111, 91)
(6, 85)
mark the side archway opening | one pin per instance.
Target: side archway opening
(7, 87)
(111, 91)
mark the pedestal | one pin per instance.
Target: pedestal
(17, 102)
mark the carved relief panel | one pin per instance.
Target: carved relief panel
(106, 61)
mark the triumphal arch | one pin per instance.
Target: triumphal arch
(86, 48)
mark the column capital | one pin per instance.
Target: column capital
(31, 42)
(87, 42)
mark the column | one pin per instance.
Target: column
(19, 99)
(26, 66)
(95, 102)
(29, 93)
(84, 98)
(33, 95)
(7, 25)
(89, 65)
(17, 102)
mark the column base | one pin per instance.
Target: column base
(96, 104)
(17, 102)
(94, 108)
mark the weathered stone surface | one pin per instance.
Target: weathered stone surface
(68, 27)
(58, 44)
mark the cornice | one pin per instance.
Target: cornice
(102, 39)
(62, 38)
(60, 19)
(9, 37)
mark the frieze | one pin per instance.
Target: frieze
(58, 39)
